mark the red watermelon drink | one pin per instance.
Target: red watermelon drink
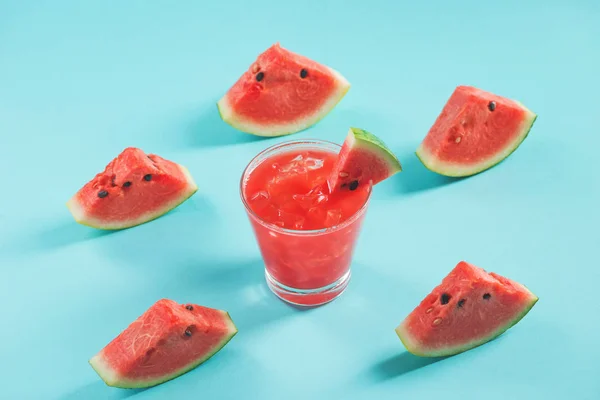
(306, 232)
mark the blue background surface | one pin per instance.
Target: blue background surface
(81, 80)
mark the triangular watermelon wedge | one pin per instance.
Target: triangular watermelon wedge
(469, 308)
(475, 131)
(134, 188)
(363, 158)
(168, 340)
(281, 93)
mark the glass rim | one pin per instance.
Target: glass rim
(290, 143)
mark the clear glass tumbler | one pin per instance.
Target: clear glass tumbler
(304, 267)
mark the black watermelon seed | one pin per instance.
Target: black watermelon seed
(492, 105)
(260, 76)
(126, 184)
(303, 73)
(344, 185)
(102, 194)
(188, 332)
(461, 302)
(487, 296)
(189, 307)
(353, 185)
(445, 298)
(150, 351)
(148, 177)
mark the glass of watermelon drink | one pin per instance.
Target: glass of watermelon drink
(306, 234)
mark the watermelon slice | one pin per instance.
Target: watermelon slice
(469, 308)
(363, 158)
(134, 188)
(282, 93)
(168, 340)
(475, 131)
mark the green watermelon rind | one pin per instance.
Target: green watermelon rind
(272, 130)
(112, 379)
(413, 348)
(80, 217)
(366, 140)
(457, 170)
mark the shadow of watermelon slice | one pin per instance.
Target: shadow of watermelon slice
(417, 178)
(66, 232)
(63, 233)
(401, 364)
(99, 391)
(206, 129)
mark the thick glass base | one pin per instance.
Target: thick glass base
(308, 297)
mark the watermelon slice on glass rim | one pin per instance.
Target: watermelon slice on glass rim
(363, 158)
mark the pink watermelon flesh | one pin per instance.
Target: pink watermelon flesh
(469, 308)
(282, 93)
(168, 340)
(475, 131)
(363, 158)
(134, 188)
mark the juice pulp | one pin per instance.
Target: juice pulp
(289, 190)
